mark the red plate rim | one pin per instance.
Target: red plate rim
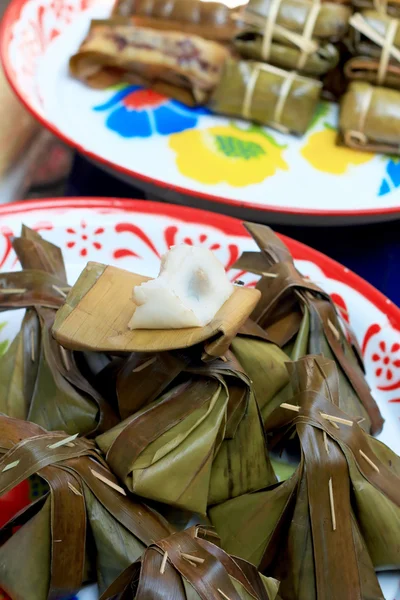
(228, 225)
(12, 14)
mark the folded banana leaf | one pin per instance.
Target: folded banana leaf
(365, 68)
(301, 318)
(317, 63)
(370, 118)
(339, 513)
(210, 20)
(84, 522)
(388, 7)
(31, 287)
(184, 65)
(199, 443)
(187, 566)
(329, 21)
(267, 95)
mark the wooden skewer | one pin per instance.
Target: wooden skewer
(337, 419)
(65, 358)
(59, 291)
(291, 407)
(223, 594)
(73, 489)
(188, 560)
(192, 558)
(164, 563)
(32, 340)
(13, 290)
(63, 442)
(326, 442)
(271, 275)
(10, 466)
(369, 461)
(332, 504)
(108, 482)
(333, 329)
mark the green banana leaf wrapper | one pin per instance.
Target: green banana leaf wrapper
(181, 65)
(84, 527)
(325, 58)
(331, 23)
(274, 99)
(212, 576)
(392, 7)
(370, 118)
(365, 68)
(199, 443)
(337, 513)
(39, 380)
(211, 20)
(302, 319)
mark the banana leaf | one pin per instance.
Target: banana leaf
(325, 58)
(194, 569)
(301, 318)
(391, 7)
(365, 68)
(184, 66)
(23, 289)
(370, 118)
(34, 252)
(199, 443)
(283, 100)
(336, 514)
(331, 22)
(211, 20)
(84, 522)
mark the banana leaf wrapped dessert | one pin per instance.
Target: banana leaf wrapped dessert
(181, 65)
(39, 380)
(188, 565)
(339, 513)
(386, 7)
(376, 43)
(84, 528)
(302, 319)
(199, 443)
(370, 118)
(210, 20)
(267, 95)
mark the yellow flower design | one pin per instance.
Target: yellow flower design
(227, 154)
(324, 155)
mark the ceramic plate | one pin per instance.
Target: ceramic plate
(228, 166)
(134, 234)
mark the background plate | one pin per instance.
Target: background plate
(231, 166)
(134, 234)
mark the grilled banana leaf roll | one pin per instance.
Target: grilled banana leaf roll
(188, 565)
(199, 443)
(211, 20)
(180, 65)
(267, 95)
(338, 513)
(302, 319)
(370, 118)
(84, 522)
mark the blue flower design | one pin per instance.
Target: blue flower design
(134, 111)
(392, 179)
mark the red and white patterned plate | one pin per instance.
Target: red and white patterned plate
(134, 234)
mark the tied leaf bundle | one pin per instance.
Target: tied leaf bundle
(265, 94)
(181, 65)
(376, 42)
(187, 565)
(386, 7)
(39, 380)
(199, 443)
(83, 524)
(302, 319)
(211, 20)
(370, 118)
(339, 513)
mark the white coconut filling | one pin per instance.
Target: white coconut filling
(189, 291)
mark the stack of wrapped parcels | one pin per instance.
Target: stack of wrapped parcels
(263, 62)
(230, 457)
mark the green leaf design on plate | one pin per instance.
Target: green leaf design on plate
(260, 131)
(233, 147)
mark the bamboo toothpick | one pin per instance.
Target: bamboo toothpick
(10, 466)
(369, 461)
(144, 365)
(291, 407)
(271, 275)
(73, 489)
(223, 594)
(326, 442)
(13, 291)
(63, 442)
(333, 329)
(59, 291)
(164, 563)
(65, 358)
(332, 504)
(108, 482)
(334, 419)
(192, 558)
(360, 420)
(32, 341)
